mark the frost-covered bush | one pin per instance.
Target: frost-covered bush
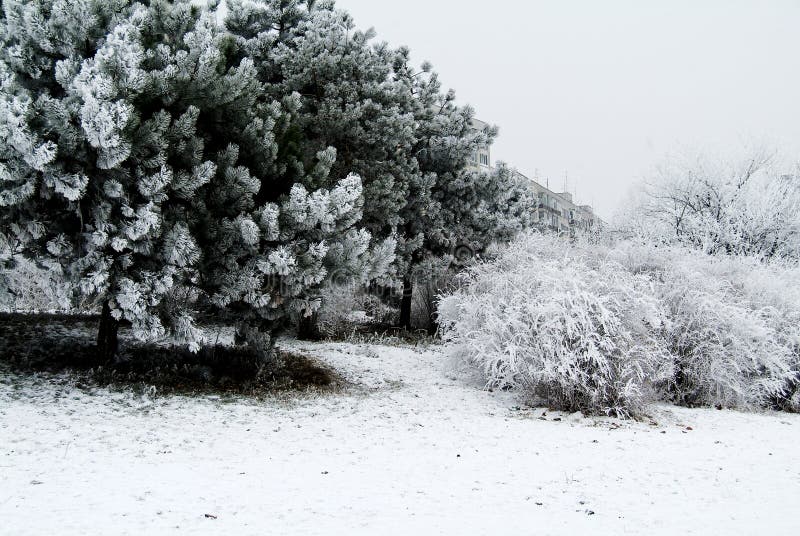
(599, 327)
(568, 328)
(341, 310)
(348, 308)
(732, 324)
(30, 288)
(727, 351)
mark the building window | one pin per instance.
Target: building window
(485, 159)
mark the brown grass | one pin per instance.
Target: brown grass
(56, 343)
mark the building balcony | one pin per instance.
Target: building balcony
(550, 209)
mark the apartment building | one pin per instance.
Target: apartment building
(559, 212)
(556, 211)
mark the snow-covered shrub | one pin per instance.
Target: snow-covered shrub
(378, 310)
(30, 288)
(597, 327)
(350, 307)
(727, 352)
(341, 310)
(561, 323)
(732, 324)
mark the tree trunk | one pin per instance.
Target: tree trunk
(107, 335)
(308, 328)
(433, 325)
(405, 303)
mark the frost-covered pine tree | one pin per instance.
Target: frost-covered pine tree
(140, 151)
(452, 211)
(363, 108)
(266, 254)
(107, 109)
(479, 208)
(352, 115)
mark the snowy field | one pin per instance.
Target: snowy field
(410, 449)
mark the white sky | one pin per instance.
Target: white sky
(603, 89)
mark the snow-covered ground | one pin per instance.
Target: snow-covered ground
(414, 449)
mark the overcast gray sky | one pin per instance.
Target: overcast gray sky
(603, 89)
